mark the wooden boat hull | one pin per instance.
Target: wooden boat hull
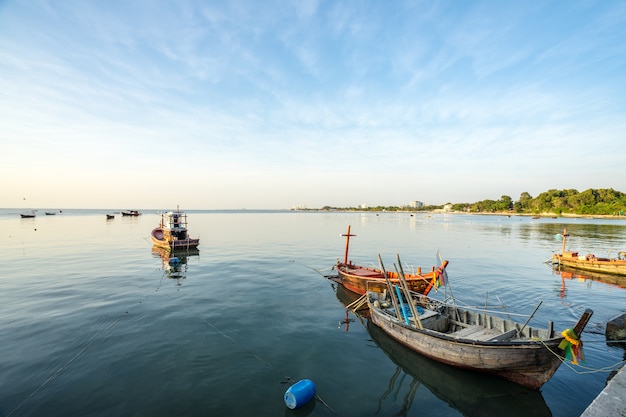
(27, 216)
(361, 279)
(160, 239)
(530, 363)
(593, 264)
(463, 390)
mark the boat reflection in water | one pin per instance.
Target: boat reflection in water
(580, 275)
(471, 393)
(174, 263)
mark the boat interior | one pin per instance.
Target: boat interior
(460, 322)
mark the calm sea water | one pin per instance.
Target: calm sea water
(92, 322)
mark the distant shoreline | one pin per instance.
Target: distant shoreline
(506, 214)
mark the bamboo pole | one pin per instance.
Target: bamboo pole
(389, 286)
(407, 294)
(519, 333)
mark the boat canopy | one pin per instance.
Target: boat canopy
(175, 220)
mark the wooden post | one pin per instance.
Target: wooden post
(564, 235)
(347, 235)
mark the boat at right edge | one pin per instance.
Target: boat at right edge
(589, 262)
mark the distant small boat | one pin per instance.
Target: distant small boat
(50, 213)
(27, 216)
(589, 262)
(110, 216)
(172, 232)
(131, 213)
(360, 279)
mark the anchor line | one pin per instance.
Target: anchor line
(90, 343)
(266, 363)
(589, 370)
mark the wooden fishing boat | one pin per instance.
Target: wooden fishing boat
(474, 339)
(50, 213)
(172, 232)
(110, 216)
(131, 213)
(589, 262)
(27, 216)
(360, 279)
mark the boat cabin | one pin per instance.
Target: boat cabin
(176, 223)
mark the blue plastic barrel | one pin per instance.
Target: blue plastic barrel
(299, 393)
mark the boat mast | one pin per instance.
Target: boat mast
(347, 235)
(564, 235)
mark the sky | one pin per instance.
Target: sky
(274, 104)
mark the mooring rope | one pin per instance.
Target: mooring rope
(51, 378)
(93, 340)
(589, 370)
(90, 343)
(266, 363)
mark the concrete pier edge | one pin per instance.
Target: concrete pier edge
(611, 402)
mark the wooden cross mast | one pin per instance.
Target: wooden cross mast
(347, 235)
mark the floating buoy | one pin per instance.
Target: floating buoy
(299, 393)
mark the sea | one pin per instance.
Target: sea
(95, 321)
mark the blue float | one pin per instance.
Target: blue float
(299, 393)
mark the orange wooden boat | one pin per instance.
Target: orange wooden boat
(589, 262)
(360, 279)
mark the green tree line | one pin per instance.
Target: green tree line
(604, 201)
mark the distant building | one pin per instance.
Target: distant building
(416, 204)
(363, 206)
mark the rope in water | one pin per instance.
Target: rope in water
(90, 343)
(589, 370)
(51, 378)
(266, 363)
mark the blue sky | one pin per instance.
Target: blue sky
(271, 104)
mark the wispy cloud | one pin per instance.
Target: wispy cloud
(403, 96)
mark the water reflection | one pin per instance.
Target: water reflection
(575, 274)
(174, 263)
(471, 393)
(349, 298)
